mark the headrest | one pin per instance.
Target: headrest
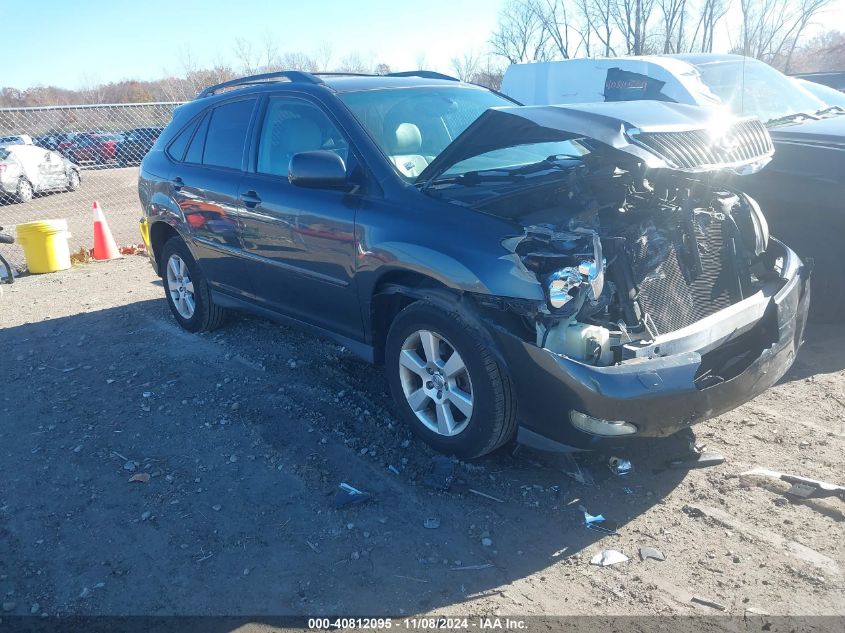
(408, 139)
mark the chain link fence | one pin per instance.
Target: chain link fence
(44, 149)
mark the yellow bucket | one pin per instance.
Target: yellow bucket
(45, 245)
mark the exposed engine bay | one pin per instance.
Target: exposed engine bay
(626, 256)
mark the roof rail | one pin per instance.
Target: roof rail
(329, 73)
(291, 75)
(425, 74)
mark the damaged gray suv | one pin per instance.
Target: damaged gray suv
(565, 276)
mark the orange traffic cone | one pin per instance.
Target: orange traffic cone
(104, 246)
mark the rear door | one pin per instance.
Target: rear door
(300, 241)
(204, 183)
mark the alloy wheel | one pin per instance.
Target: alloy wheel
(436, 383)
(180, 286)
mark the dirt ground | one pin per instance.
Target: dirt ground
(247, 432)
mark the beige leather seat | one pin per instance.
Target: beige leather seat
(407, 142)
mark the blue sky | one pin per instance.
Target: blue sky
(101, 41)
(71, 44)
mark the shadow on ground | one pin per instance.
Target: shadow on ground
(246, 434)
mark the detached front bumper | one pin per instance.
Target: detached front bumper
(658, 395)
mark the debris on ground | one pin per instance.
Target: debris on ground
(349, 495)
(140, 477)
(651, 552)
(619, 466)
(485, 495)
(697, 460)
(471, 567)
(431, 523)
(441, 473)
(708, 603)
(573, 469)
(599, 524)
(803, 487)
(608, 557)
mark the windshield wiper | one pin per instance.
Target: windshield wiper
(830, 110)
(471, 178)
(791, 118)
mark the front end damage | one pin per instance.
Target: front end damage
(666, 301)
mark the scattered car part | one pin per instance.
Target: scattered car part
(708, 603)
(803, 487)
(431, 523)
(349, 495)
(619, 466)
(599, 524)
(651, 552)
(697, 460)
(608, 557)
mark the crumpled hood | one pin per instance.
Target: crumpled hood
(617, 125)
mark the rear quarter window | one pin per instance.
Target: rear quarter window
(178, 145)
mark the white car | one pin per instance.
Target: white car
(27, 169)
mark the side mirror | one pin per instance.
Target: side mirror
(318, 170)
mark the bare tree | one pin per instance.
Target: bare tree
(354, 63)
(674, 13)
(299, 61)
(520, 35)
(631, 17)
(323, 56)
(556, 18)
(771, 29)
(382, 69)
(466, 65)
(711, 12)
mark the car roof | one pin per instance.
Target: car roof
(698, 59)
(355, 83)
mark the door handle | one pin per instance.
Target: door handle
(177, 183)
(250, 198)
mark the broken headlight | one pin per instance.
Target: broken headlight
(569, 283)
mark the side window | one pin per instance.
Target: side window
(224, 143)
(194, 154)
(177, 146)
(291, 126)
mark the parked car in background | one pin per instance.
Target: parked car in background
(582, 272)
(26, 170)
(833, 78)
(98, 148)
(135, 145)
(802, 189)
(16, 139)
(830, 96)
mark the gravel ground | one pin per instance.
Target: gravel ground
(241, 437)
(116, 189)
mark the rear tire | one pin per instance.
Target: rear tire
(73, 180)
(473, 384)
(186, 289)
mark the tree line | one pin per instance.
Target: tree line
(526, 31)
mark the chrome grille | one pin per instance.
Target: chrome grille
(743, 142)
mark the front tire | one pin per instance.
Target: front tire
(24, 191)
(447, 385)
(186, 289)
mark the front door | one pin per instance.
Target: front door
(300, 242)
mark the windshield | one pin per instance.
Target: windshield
(413, 125)
(751, 87)
(510, 158)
